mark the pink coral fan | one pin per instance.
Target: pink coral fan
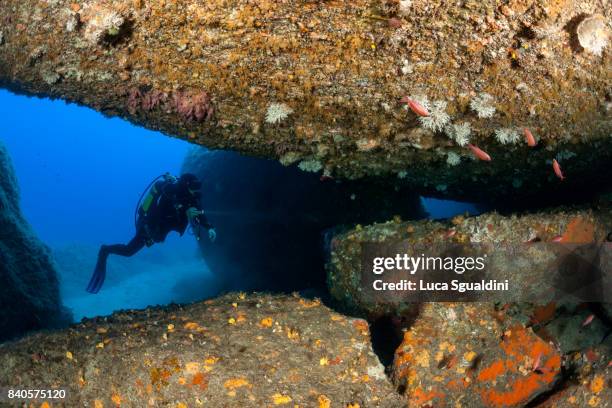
(193, 106)
(134, 100)
(153, 99)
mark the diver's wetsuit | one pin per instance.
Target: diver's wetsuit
(163, 210)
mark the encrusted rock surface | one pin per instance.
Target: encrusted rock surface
(318, 82)
(470, 355)
(489, 354)
(234, 351)
(345, 265)
(29, 287)
(589, 386)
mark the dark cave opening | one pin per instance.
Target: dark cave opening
(274, 219)
(386, 337)
(276, 222)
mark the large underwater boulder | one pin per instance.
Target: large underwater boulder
(271, 219)
(550, 347)
(519, 248)
(29, 288)
(234, 351)
(467, 354)
(320, 83)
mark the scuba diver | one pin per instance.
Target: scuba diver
(170, 205)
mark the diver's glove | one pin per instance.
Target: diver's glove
(212, 235)
(193, 214)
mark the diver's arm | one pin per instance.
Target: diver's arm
(195, 215)
(204, 221)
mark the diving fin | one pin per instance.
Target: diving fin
(97, 279)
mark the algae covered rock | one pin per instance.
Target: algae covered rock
(237, 350)
(492, 351)
(519, 249)
(29, 288)
(589, 382)
(470, 355)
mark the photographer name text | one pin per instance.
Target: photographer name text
(423, 264)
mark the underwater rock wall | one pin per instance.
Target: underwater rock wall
(544, 352)
(319, 83)
(271, 220)
(234, 351)
(451, 343)
(475, 355)
(567, 226)
(29, 288)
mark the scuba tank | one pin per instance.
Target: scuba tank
(166, 176)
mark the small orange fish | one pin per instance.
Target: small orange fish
(450, 233)
(588, 320)
(537, 363)
(558, 238)
(479, 153)
(415, 106)
(557, 169)
(531, 142)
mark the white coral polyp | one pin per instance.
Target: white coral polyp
(404, 7)
(453, 159)
(277, 112)
(507, 136)
(437, 119)
(103, 23)
(483, 105)
(312, 166)
(460, 133)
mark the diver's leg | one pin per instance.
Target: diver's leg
(97, 280)
(135, 245)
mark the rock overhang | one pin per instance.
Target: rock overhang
(319, 85)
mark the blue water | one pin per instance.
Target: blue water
(439, 209)
(81, 173)
(80, 176)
